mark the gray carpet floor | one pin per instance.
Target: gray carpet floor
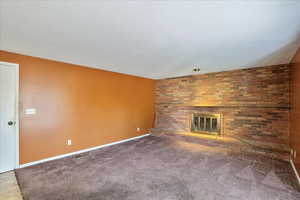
(160, 168)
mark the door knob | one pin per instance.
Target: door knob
(10, 123)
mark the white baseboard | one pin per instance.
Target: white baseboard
(81, 151)
(295, 170)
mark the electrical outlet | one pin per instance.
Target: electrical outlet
(69, 142)
(30, 111)
(138, 129)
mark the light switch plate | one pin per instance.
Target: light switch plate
(30, 111)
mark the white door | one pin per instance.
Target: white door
(8, 116)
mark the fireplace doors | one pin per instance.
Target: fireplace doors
(206, 123)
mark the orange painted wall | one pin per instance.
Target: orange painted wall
(92, 107)
(295, 108)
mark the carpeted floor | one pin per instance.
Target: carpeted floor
(160, 168)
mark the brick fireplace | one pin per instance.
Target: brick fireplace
(254, 105)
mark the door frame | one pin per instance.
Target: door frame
(17, 161)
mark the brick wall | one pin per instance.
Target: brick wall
(254, 104)
(295, 109)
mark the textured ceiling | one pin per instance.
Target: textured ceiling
(154, 39)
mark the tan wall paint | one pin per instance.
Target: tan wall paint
(92, 107)
(295, 108)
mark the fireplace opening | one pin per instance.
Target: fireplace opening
(206, 123)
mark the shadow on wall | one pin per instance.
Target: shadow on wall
(279, 56)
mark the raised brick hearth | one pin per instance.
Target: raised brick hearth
(254, 104)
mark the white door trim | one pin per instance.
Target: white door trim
(17, 110)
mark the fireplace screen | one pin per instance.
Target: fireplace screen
(206, 123)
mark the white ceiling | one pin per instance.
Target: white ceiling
(154, 39)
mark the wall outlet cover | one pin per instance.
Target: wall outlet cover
(30, 111)
(69, 142)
